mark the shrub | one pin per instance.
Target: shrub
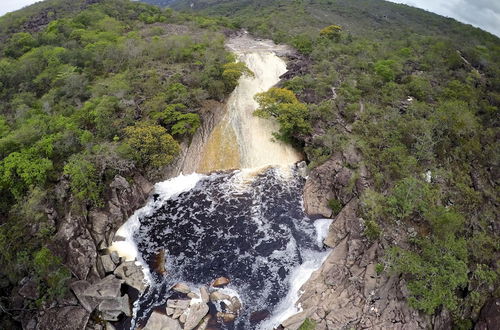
(151, 145)
(232, 72)
(331, 32)
(372, 230)
(291, 114)
(84, 180)
(308, 324)
(335, 205)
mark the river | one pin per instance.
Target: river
(240, 216)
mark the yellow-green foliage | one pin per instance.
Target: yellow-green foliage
(232, 72)
(331, 32)
(151, 145)
(291, 114)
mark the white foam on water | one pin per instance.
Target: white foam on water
(297, 278)
(322, 227)
(124, 244)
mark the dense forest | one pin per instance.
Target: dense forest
(97, 90)
(89, 89)
(418, 95)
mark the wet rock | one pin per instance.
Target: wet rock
(235, 305)
(158, 321)
(195, 315)
(193, 295)
(65, 318)
(178, 303)
(217, 295)
(29, 290)
(204, 294)
(107, 264)
(182, 288)
(220, 282)
(108, 287)
(131, 274)
(226, 317)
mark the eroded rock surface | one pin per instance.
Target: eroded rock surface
(346, 292)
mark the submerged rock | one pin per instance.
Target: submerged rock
(220, 282)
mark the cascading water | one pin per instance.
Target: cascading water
(245, 223)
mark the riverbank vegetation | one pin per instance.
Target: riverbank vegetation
(418, 95)
(89, 90)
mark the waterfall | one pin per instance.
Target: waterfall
(242, 140)
(242, 218)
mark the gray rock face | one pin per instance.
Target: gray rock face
(131, 274)
(195, 314)
(29, 290)
(112, 308)
(108, 287)
(78, 288)
(107, 264)
(158, 321)
(65, 318)
(76, 246)
(334, 180)
(346, 291)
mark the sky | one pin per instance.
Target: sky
(481, 13)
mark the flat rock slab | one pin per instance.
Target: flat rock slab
(131, 274)
(108, 287)
(195, 314)
(158, 321)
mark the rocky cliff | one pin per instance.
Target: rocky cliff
(347, 291)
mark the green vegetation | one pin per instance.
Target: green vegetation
(290, 113)
(418, 96)
(88, 91)
(335, 205)
(308, 325)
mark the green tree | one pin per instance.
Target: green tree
(331, 32)
(291, 114)
(151, 145)
(84, 179)
(232, 72)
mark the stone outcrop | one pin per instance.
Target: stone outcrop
(80, 242)
(131, 274)
(346, 292)
(159, 321)
(342, 177)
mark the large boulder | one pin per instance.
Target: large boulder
(108, 287)
(195, 314)
(158, 321)
(65, 318)
(131, 274)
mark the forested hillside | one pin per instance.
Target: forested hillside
(418, 95)
(94, 88)
(89, 90)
